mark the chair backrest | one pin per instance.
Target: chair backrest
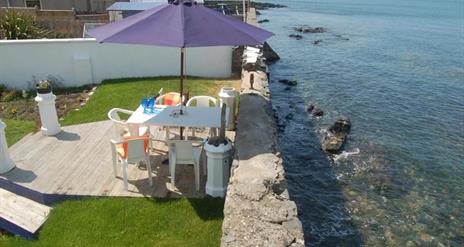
(113, 115)
(183, 150)
(119, 125)
(169, 99)
(202, 101)
(136, 148)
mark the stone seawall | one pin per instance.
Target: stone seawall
(258, 210)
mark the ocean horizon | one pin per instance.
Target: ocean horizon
(396, 70)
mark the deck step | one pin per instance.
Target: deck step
(20, 215)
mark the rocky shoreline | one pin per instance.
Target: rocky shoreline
(238, 5)
(258, 210)
(335, 135)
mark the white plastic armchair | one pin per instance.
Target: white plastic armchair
(202, 101)
(183, 153)
(170, 98)
(123, 129)
(131, 151)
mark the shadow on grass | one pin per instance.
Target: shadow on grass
(207, 208)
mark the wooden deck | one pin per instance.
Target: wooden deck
(77, 162)
(22, 213)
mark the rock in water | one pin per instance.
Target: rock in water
(308, 29)
(317, 41)
(310, 108)
(298, 29)
(341, 126)
(288, 82)
(289, 116)
(295, 36)
(270, 55)
(263, 21)
(336, 135)
(332, 143)
(317, 112)
(314, 30)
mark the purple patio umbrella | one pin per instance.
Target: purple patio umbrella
(181, 24)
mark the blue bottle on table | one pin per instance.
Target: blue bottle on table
(151, 103)
(144, 104)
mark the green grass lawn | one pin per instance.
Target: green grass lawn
(127, 221)
(130, 222)
(17, 129)
(127, 94)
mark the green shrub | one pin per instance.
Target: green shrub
(10, 95)
(14, 25)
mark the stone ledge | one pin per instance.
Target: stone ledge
(258, 211)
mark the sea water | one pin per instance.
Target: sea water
(396, 69)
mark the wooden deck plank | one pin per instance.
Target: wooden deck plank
(22, 212)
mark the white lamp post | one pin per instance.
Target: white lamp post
(6, 164)
(48, 115)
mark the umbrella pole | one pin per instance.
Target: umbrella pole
(181, 75)
(181, 88)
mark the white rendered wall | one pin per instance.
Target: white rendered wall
(76, 62)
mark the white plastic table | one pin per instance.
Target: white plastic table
(199, 117)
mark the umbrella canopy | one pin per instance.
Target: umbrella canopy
(181, 24)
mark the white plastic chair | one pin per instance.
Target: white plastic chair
(123, 129)
(160, 100)
(252, 52)
(202, 101)
(131, 151)
(184, 153)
